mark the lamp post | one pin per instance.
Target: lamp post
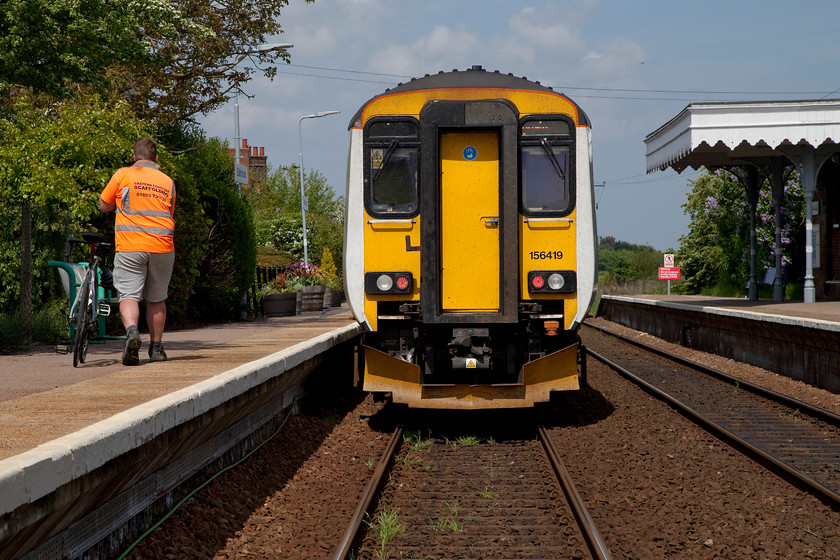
(243, 179)
(304, 203)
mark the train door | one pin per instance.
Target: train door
(469, 178)
(469, 221)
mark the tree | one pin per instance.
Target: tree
(278, 219)
(55, 159)
(53, 45)
(623, 262)
(171, 59)
(715, 252)
(206, 63)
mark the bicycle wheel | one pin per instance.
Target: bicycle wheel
(80, 343)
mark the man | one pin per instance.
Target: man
(144, 229)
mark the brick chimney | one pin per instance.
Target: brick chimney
(254, 159)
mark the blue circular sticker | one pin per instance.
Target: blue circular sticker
(470, 153)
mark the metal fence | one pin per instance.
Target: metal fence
(262, 275)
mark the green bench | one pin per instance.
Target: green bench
(71, 275)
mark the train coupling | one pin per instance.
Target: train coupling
(469, 348)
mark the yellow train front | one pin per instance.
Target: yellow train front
(470, 251)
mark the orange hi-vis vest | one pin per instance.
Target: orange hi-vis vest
(145, 201)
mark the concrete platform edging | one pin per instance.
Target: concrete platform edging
(802, 348)
(738, 313)
(34, 474)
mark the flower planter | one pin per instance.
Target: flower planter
(311, 298)
(336, 298)
(279, 305)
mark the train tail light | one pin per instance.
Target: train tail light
(389, 282)
(552, 281)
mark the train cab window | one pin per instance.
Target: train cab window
(392, 167)
(546, 167)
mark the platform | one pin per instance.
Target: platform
(71, 439)
(800, 340)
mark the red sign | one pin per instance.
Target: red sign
(669, 273)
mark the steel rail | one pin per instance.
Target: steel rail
(597, 548)
(822, 491)
(815, 411)
(371, 489)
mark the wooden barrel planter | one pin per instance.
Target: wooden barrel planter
(311, 298)
(279, 305)
(336, 298)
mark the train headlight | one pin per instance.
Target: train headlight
(556, 281)
(384, 283)
(389, 282)
(552, 281)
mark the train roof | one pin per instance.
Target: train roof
(475, 77)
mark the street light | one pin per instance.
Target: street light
(304, 203)
(238, 167)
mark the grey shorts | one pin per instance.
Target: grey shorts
(140, 276)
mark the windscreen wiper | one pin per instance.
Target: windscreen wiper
(552, 157)
(391, 147)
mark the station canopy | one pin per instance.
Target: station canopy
(728, 134)
(752, 135)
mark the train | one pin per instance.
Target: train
(470, 247)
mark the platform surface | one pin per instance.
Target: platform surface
(43, 397)
(828, 311)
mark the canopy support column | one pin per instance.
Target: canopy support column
(809, 185)
(778, 188)
(808, 162)
(752, 202)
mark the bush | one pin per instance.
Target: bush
(276, 207)
(56, 157)
(225, 257)
(48, 325)
(329, 271)
(271, 257)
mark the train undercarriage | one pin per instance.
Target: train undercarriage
(481, 365)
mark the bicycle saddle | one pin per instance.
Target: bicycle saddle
(93, 237)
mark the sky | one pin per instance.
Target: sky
(631, 66)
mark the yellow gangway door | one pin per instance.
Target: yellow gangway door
(469, 221)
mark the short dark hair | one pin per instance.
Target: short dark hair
(145, 148)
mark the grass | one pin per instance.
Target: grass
(416, 440)
(464, 441)
(450, 522)
(408, 459)
(500, 470)
(387, 526)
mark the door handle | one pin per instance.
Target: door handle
(490, 221)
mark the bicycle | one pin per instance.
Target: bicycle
(86, 309)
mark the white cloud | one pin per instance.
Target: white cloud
(615, 60)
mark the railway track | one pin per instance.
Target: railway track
(799, 440)
(470, 498)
